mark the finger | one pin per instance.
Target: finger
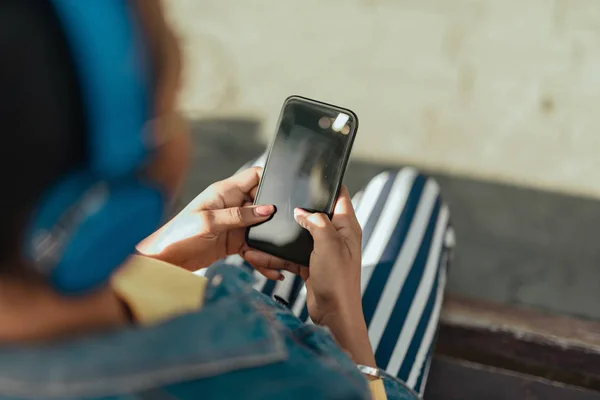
(266, 261)
(253, 192)
(271, 274)
(237, 217)
(247, 180)
(319, 226)
(344, 217)
(229, 192)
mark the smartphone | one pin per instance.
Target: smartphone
(304, 168)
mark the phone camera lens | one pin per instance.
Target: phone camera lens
(324, 122)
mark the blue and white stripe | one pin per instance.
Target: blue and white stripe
(407, 239)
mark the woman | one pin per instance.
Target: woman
(81, 319)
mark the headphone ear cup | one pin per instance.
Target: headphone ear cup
(104, 240)
(98, 232)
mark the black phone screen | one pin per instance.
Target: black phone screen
(304, 169)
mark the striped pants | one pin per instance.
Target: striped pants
(407, 245)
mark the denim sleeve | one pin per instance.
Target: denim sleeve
(314, 366)
(322, 351)
(277, 356)
(395, 389)
(241, 345)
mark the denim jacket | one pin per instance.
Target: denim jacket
(240, 345)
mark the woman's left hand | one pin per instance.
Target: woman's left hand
(212, 226)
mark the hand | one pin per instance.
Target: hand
(212, 226)
(333, 280)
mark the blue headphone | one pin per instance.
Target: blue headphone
(90, 222)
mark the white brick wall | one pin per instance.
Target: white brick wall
(501, 89)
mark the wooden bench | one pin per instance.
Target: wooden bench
(490, 351)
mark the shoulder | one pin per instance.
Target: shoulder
(156, 291)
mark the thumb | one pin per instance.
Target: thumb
(238, 217)
(319, 226)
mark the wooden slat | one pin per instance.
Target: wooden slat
(452, 379)
(532, 324)
(559, 348)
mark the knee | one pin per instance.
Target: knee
(416, 193)
(406, 183)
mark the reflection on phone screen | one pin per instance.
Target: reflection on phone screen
(303, 170)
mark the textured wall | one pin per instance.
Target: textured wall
(501, 89)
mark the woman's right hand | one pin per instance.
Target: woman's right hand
(333, 279)
(333, 288)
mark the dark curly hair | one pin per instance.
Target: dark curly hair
(41, 116)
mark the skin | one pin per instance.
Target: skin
(209, 228)
(333, 294)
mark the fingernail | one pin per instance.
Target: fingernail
(281, 277)
(299, 213)
(264, 211)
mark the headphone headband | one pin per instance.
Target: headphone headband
(110, 56)
(91, 220)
